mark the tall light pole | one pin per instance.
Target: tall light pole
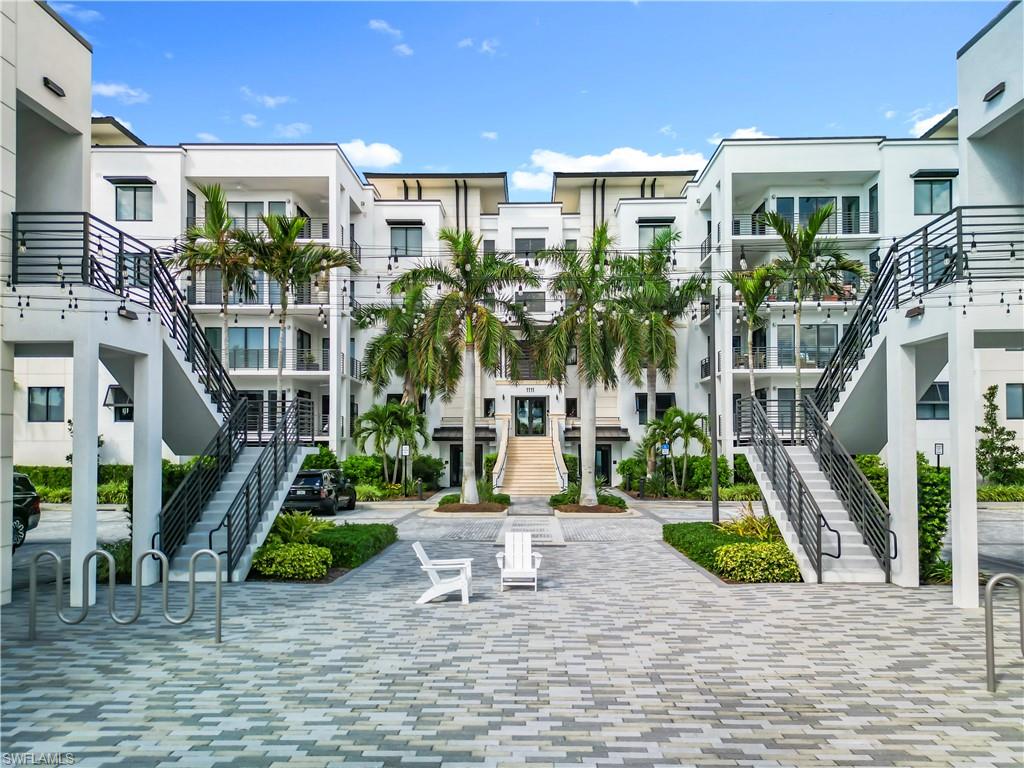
(713, 406)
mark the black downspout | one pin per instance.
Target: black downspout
(643, 186)
(603, 182)
(458, 222)
(653, 182)
(465, 202)
(593, 208)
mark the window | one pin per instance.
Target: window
(570, 245)
(488, 407)
(406, 241)
(784, 342)
(393, 398)
(934, 403)
(1015, 401)
(190, 208)
(809, 205)
(532, 301)
(817, 343)
(213, 336)
(489, 246)
(277, 208)
(662, 402)
(246, 215)
(933, 196)
(245, 347)
(273, 335)
(648, 232)
(46, 403)
(851, 214)
(118, 399)
(529, 247)
(134, 203)
(873, 209)
(784, 207)
(572, 409)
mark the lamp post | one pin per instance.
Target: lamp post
(710, 303)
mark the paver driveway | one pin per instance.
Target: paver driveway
(626, 656)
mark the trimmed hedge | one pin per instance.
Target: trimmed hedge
(450, 498)
(1001, 493)
(361, 469)
(698, 541)
(60, 477)
(757, 562)
(292, 561)
(353, 545)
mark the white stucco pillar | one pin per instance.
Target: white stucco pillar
(901, 451)
(6, 468)
(963, 516)
(85, 413)
(147, 397)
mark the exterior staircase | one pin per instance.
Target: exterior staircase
(530, 468)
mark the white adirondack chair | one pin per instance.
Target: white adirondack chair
(518, 563)
(462, 582)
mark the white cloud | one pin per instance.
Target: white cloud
(379, 25)
(204, 136)
(75, 13)
(466, 42)
(668, 130)
(922, 121)
(489, 46)
(374, 155)
(547, 161)
(890, 114)
(402, 50)
(251, 120)
(121, 120)
(120, 91)
(270, 102)
(753, 132)
(489, 135)
(292, 130)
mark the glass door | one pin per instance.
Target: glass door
(530, 416)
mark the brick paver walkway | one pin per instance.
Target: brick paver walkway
(625, 657)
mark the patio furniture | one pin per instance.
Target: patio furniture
(462, 582)
(518, 563)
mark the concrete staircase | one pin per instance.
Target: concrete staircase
(530, 468)
(856, 564)
(213, 514)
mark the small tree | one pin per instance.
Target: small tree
(377, 424)
(999, 455)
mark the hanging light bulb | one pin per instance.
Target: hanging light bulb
(62, 314)
(1001, 299)
(974, 247)
(743, 259)
(105, 316)
(1013, 254)
(949, 301)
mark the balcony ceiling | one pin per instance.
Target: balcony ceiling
(751, 188)
(311, 189)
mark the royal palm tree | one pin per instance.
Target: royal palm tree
(213, 247)
(470, 316)
(410, 429)
(753, 289)
(290, 264)
(677, 424)
(812, 265)
(379, 425)
(591, 322)
(393, 352)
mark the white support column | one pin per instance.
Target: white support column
(901, 451)
(147, 440)
(963, 516)
(85, 412)
(6, 468)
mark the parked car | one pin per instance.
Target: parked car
(320, 491)
(26, 508)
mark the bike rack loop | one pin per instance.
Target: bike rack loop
(111, 583)
(990, 648)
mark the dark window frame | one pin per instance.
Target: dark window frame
(1015, 414)
(134, 190)
(572, 408)
(50, 415)
(404, 250)
(932, 185)
(933, 405)
(662, 402)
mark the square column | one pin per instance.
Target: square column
(901, 451)
(6, 469)
(963, 463)
(85, 412)
(147, 443)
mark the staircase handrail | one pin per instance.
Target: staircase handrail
(801, 509)
(555, 425)
(294, 427)
(863, 504)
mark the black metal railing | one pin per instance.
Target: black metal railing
(266, 359)
(801, 510)
(705, 367)
(315, 227)
(185, 507)
(783, 415)
(71, 249)
(783, 357)
(294, 427)
(705, 248)
(266, 293)
(355, 369)
(839, 223)
(865, 508)
(356, 250)
(970, 243)
(852, 290)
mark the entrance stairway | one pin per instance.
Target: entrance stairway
(234, 489)
(530, 468)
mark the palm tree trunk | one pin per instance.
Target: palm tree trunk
(469, 493)
(796, 343)
(588, 441)
(672, 461)
(750, 356)
(408, 393)
(281, 347)
(686, 459)
(652, 397)
(398, 461)
(223, 321)
(384, 456)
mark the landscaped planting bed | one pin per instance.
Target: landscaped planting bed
(602, 509)
(483, 506)
(569, 501)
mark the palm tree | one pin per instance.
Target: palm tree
(471, 316)
(591, 322)
(811, 265)
(394, 351)
(753, 289)
(410, 428)
(377, 424)
(213, 247)
(677, 424)
(289, 263)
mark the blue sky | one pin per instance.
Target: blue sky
(523, 87)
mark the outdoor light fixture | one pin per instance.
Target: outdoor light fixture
(917, 311)
(127, 314)
(52, 87)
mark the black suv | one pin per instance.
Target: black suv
(26, 508)
(320, 491)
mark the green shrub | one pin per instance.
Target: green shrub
(698, 541)
(742, 492)
(490, 459)
(999, 455)
(429, 470)
(572, 465)
(115, 492)
(760, 527)
(297, 527)
(324, 458)
(366, 492)
(571, 495)
(698, 472)
(756, 562)
(876, 473)
(742, 474)
(292, 561)
(352, 545)
(361, 469)
(50, 495)
(450, 498)
(1001, 493)
(122, 552)
(632, 469)
(115, 473)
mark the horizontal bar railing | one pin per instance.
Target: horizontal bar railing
(265, 360)
(265, 293)
(783, 357)
(315, 228)
(783, 416)
(839, 223)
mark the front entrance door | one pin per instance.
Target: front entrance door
(530, 415)
(455, 463)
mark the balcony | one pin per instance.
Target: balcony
(782, 357)
(853, 290)
(267, 293)
(849, 224)
(265, 360)
(317, 228)
(356, 369)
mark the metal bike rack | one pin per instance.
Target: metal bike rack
(990, 646)
(33, 594)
